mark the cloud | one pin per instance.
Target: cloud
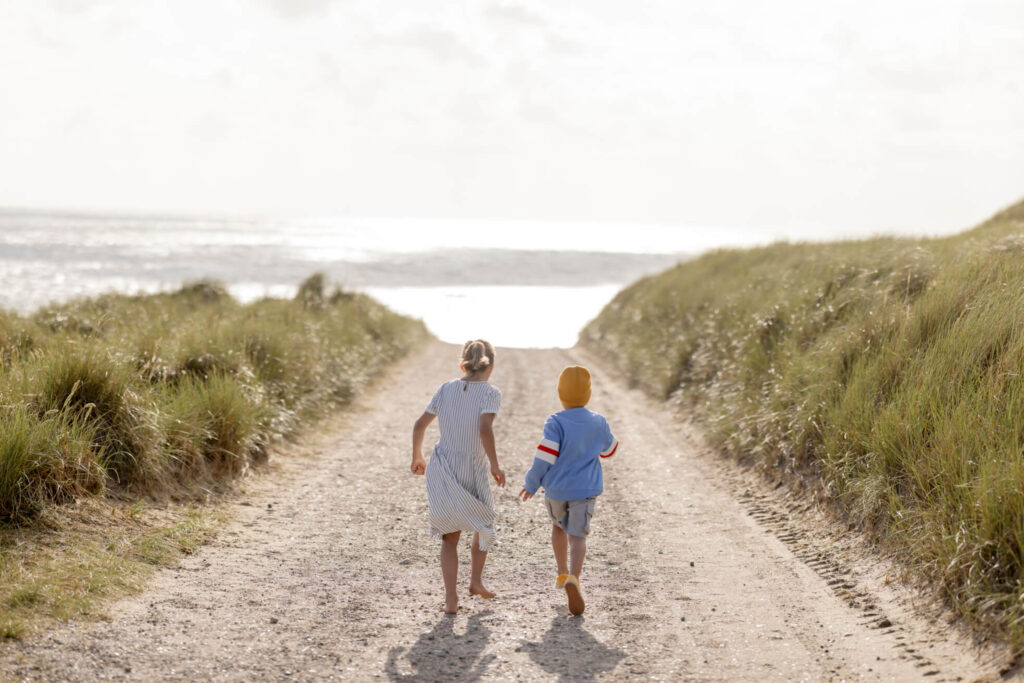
(905, 76)
(294, 9)
(539, 112)
(563, 46)
(514, 15)
(441, 44)
(208, 128)
(72, 6)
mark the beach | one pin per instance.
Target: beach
(526, 284)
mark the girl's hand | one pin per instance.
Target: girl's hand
(498, 474)
(419, 465)
(525, 495)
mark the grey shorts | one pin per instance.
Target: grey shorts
(572, 516)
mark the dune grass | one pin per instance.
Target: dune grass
(886, 374)
(162, 397)
(69, 561)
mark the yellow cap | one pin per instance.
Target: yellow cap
(574, 386)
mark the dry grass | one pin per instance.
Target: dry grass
(888, 373)
(163, 397)
(72, 559)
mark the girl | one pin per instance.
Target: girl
(458, 492)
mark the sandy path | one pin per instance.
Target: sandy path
(328, 571)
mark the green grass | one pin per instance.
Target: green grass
(158, 398)
(48, 459)
(887, 373)
(70, 561)
(161, 394)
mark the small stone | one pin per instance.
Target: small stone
(691, 564)
(273, 620)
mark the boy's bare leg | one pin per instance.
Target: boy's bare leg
(577, 551)
(476, 580)
(450, 570)
(559, 544)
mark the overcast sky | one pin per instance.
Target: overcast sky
(799, 116)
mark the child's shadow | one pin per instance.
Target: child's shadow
(571, 653)
(443, 655)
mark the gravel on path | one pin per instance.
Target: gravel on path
(327, 571)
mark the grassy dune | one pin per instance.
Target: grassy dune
(163, 397)
(887, 374)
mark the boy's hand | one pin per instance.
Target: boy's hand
(525, 495)
(419, 465)
(498, 474)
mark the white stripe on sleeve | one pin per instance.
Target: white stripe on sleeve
(546, 457)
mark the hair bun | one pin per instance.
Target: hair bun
(477, 355)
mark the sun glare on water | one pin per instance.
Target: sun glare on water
(522, 317)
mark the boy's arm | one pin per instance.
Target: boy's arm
(611, 443)
(545, 456)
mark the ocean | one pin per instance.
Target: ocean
(518, 284)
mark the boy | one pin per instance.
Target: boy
(568, 466)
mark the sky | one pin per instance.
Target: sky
(796, 118)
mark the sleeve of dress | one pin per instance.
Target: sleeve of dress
(545, 456)
(492, 402)
(435, 402)
(611, 443)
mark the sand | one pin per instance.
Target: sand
(695, 570)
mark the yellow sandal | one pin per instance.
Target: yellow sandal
(575, 594)
(560, 581)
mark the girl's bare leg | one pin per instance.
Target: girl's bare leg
(559, 544)
(476, 581)
(450, 570)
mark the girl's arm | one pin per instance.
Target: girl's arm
(487, 439)
(419, 465)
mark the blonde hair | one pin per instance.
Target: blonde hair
(477, 355)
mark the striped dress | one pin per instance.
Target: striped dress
(458, 474)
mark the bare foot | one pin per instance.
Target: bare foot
(451, 608)
(479, 589)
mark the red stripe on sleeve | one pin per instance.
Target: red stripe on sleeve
(612, 453)
(547, 450)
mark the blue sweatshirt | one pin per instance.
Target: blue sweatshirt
(568, 459)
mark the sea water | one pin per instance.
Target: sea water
(523, 284)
